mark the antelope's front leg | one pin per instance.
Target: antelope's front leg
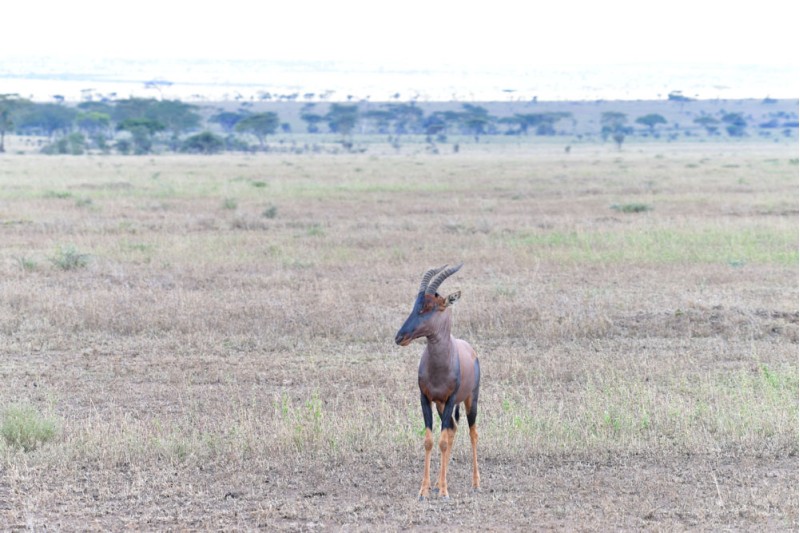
(427, 414)
(446, 445)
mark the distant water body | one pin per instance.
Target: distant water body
(214, 80)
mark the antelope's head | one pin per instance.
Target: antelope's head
(429, 307)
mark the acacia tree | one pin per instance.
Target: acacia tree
(342, 118)
(651, 121)
(381, 118)
(710, 123)
(406, 117)
(613, 123)
(311, 119)
(543, 122)
(175, 116)
(260, 125)
(227, 120)
(736, 124)
(475, 120)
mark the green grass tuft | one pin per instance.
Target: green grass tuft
(23, 427)
(68, 258)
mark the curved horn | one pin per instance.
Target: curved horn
(441, 277)
(427, 277)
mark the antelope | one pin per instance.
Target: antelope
(449, 374)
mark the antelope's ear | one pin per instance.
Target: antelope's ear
(453, 298)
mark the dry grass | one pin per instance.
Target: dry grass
(212, 366)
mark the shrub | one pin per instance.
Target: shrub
(631, 208)
(124, 146)
(270, 212)
(68, 258)
(73, 144)
(25, 428)
(203, 143)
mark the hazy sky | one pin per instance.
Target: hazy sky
(411, 32)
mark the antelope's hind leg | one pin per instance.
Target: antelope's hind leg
(472, 414)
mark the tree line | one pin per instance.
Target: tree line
(145, 125)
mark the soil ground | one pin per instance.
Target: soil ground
(212, 338)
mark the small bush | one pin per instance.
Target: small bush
(124, 146)
(270, 212)
(26, 263)
(83, 202)
(68, 258)
(57, 194)
(25, 428)
(631, 208)
(73, 144)
(230, 203)
(203, 143)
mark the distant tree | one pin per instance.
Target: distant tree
(619, 138)
(342, 118)
(10, 105)
(175, 116)
(311, 118)
(47, 119)
(312, 121)
(407, 118)
(613, 124)
(435, 124)
(475, 120)
(543, 122)
(513, 125)
(709, 123)
(260, 125)
(227, 120)
(203, 143)
(381, 118)
(142, 131)
(736, 124)
(651, 121)
(96, 125)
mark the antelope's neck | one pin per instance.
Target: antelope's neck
(440, 343)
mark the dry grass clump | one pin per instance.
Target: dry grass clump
(228, 343)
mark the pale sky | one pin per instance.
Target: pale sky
(411, 32)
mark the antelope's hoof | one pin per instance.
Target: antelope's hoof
(435, 490)
(446, 498)
(476, 490)
(421, 498)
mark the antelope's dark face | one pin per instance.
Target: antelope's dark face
(429, 308)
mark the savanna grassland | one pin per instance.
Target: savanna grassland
(194, 342)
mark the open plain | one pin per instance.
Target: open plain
(210, 339)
